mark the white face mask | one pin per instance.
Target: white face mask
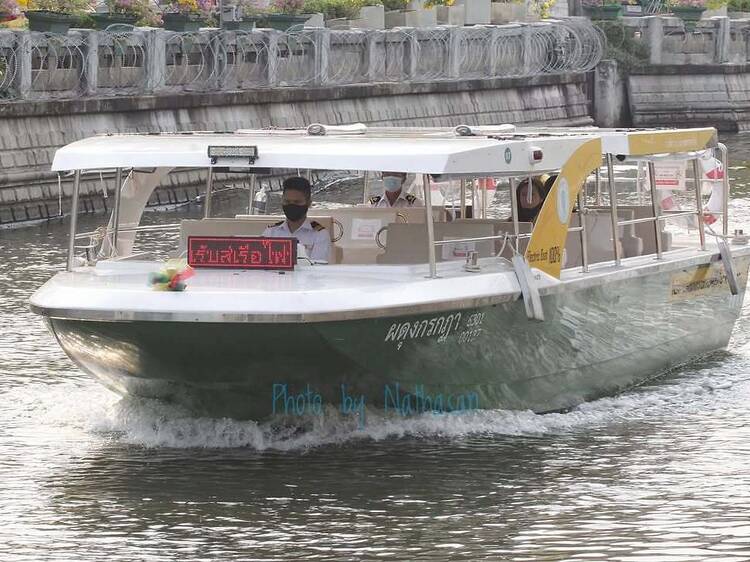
(392, 183)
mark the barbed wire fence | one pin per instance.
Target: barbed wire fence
(129, 61)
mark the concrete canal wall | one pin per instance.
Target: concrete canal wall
(66, 88)
(667, 75)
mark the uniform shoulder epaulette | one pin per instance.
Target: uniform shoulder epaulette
(276, 224)
(375, 199)
(317, 225)
(410, 198)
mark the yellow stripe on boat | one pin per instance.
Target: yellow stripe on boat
(548, 239)
(660, 142)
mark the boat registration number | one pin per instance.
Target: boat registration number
(238, 252)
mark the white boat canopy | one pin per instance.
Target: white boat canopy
(426, 154)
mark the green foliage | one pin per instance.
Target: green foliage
(74, 7)
(432, 3)
(738, 6)
(542, 8)
(394, 5)
(622, 45)
(333, 9)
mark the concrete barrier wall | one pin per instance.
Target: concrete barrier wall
(699, 95)
(85, 63)
(673, 75)
(31, 132)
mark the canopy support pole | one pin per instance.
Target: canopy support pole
(613, 208)
(116, 212)
(463, 199)
(584, 235)
(253, 185)
(725, 199)
(697, 178)
(209, 188)
(655, 206)
(430, 226)
(514, 211)
(73, 220)
(366, 187)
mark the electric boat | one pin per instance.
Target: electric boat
(417, 309)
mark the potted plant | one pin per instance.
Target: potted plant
(602, 9)
(632, 8)
(738, 9)
(689, 11)
(394, 16)
(55, 16)
(333, 9)
(187, 15)
(283, 15)
(9, 10)
(247, 14)
(126, 12)
(504, 11)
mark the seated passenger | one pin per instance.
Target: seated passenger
(295, 201)
(530, 201)
(393, 196)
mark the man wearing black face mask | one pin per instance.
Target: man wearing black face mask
(295, 201)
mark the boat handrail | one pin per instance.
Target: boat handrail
(104, 231)
(666, 216)
(503, 236)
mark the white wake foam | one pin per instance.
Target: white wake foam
(96, 412)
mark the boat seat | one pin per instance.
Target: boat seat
(407, 243)
(645, 230)
(248, 225)
(501, 226)
(599, 237)
(357, 227)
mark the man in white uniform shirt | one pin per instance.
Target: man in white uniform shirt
(295, 201)
(394, 196)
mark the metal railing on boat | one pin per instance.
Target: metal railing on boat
(658, 218)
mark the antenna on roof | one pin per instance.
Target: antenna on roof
(482, 130)
(319, 130)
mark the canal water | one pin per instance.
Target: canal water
(661, 473)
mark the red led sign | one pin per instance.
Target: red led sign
(240, 252)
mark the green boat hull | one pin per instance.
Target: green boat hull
(596, 340)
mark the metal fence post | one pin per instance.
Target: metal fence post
(526, 34)
(91, 64)
(654, 38)
(453, 56)
(373, 40)
(411, 48)
(155, 43)
(272, 50)
(322, 42)
(23, 59)
(722, 39)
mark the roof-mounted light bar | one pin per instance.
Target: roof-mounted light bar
(233, 152)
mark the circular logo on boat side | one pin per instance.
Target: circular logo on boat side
(508, 155)
(563, 200)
